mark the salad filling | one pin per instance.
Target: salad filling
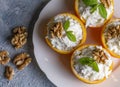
(64, 32)
(92, 63)
(95, 12)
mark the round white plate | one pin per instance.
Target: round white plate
(56, 66)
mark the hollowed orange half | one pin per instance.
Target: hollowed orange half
(78, 75)
(81, 42)
(104, 41)
(84, 21)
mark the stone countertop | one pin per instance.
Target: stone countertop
(15, 13)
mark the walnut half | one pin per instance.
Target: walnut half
(56, 29)
(22, 60)
(99, 56)
(4, 57)
(19, 30)
(106, 3)
(9, 72)
(20, 37)
(112, 32)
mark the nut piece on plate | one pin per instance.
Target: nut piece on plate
(4, 57)
(56, 30)
(112, 32)
(22, 60)
(9, 72)
(106, 3)
(20, 37)
(99, 56)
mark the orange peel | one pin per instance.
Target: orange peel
(81, 42)
(84, 21)
(80, 77)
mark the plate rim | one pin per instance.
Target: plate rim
(35, 26)
(36, 23)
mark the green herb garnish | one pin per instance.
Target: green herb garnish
(95, 5)
(69, 34)
(66, 25)
(90, 62)
(102, 11)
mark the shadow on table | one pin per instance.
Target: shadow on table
(30, 42)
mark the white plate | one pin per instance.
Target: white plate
(56, 66)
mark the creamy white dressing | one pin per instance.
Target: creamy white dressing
(95, 18)
(114, 43)
(86, 71)
(64, 43)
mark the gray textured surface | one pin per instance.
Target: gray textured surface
(14, 13)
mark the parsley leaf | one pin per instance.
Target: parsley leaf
(90, 62)
(102, 11)
(71, 36)
(66, 25)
